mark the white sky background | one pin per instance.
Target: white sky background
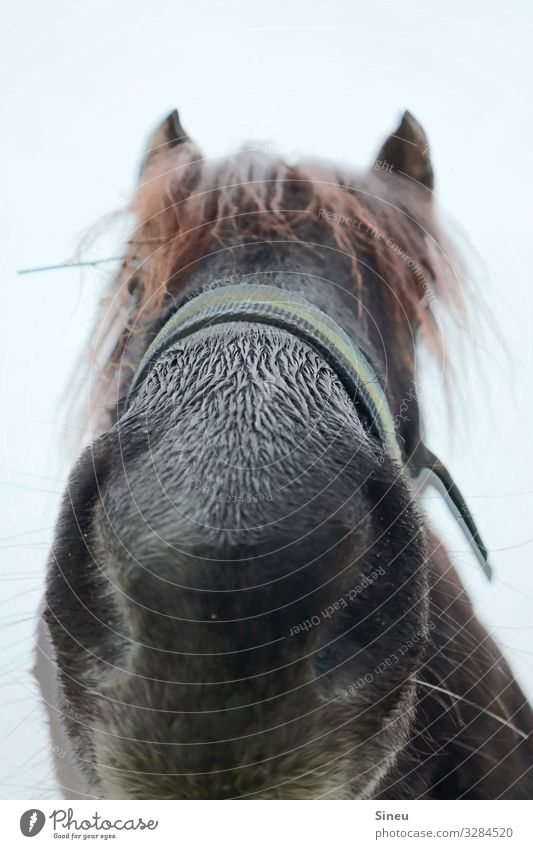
(84, 82)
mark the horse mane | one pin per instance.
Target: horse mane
(186, 207)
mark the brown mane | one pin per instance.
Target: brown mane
(187, 206)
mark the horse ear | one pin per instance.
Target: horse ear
(406, 151)
(168, 134)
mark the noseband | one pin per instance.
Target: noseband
(291, 312)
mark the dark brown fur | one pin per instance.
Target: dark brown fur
(240, 496)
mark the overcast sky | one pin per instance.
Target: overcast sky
(82, 85)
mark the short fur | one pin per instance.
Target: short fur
(243, 596)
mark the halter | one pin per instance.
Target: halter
(293, 313)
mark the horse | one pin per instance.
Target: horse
(244, 597)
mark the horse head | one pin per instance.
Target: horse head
(239, 591)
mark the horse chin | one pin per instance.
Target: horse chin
(343, 759)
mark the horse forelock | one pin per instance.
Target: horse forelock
(188, 209)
